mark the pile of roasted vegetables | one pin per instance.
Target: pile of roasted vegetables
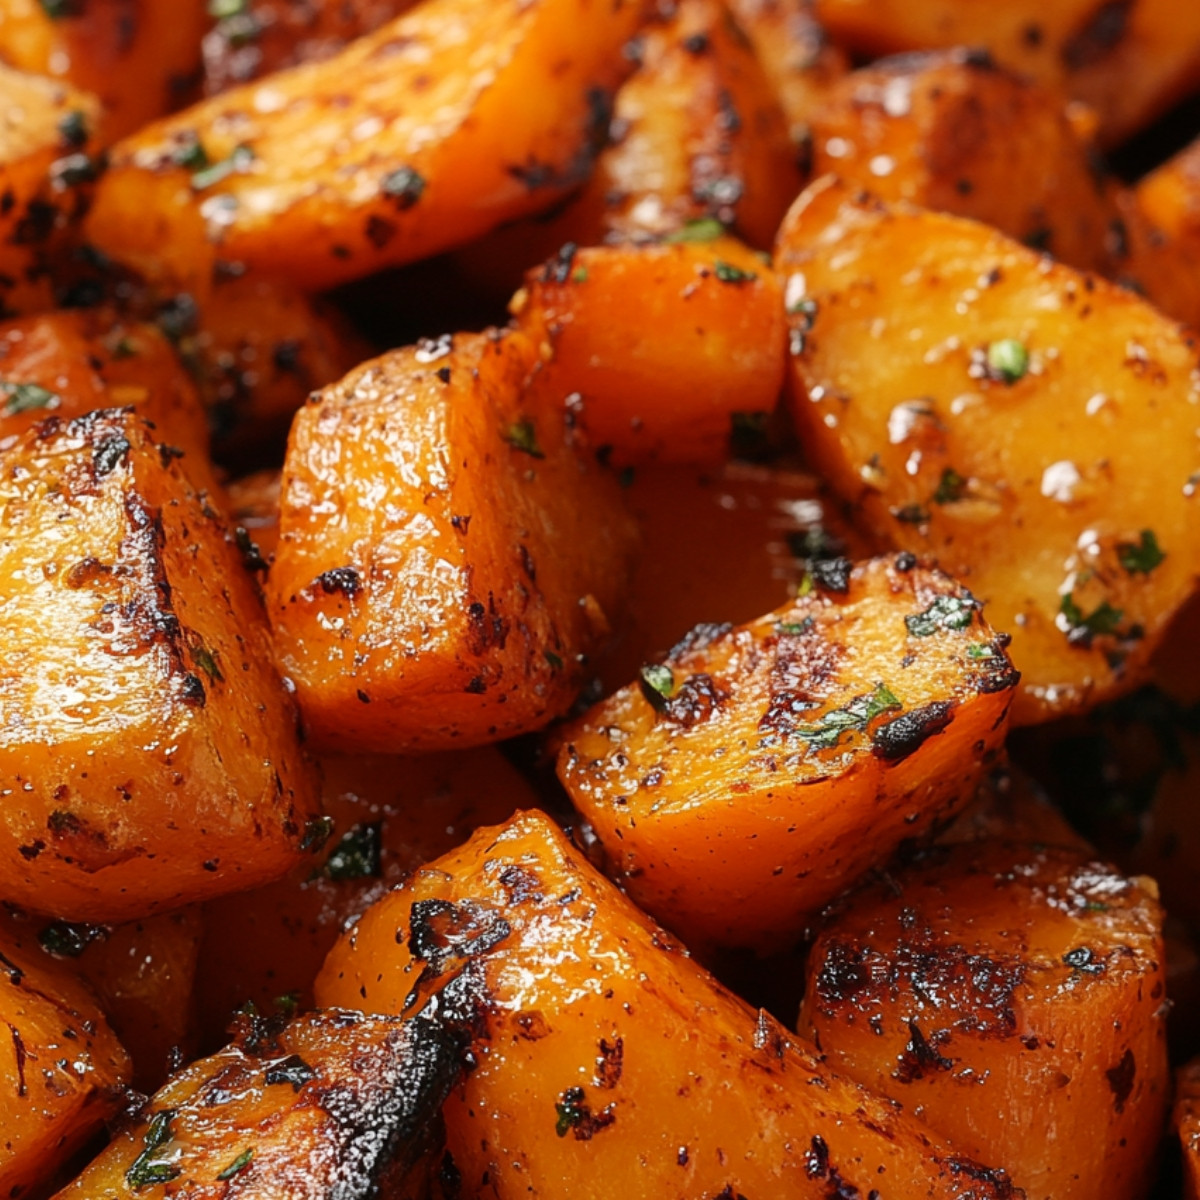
(599, 599)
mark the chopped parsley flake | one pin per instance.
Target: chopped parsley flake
(26, 397)
(951, 487)
(145, 1170)
(1104, 619)
(728, 273)
(657, 683)
(853, 718)
(221, 10)
(1007, 360)
(945, 612)
(1142, 556)
(239, 1164)
(521, 435)
(703, 229)
(794, 628)
(239, 160)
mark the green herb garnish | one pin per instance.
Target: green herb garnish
(945, 612)
(702, 229)
(26, 397)
(570, 1110)
(144, 1170)
(522, 435)
(1140, 557)
(240, 158)
(728, 273)
(951, 487)
(853, 718)
(657, 683)
(555, 660)
(239, 1164)
(794, 628)
(1007, 360)
(1104, 619)
(204, 658)
(222, 10)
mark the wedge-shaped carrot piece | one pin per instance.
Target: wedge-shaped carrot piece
(391, 815)
(698, 343)
(1155, 245)
(67, 363)
(608, 1062)
(138, 60)
(328, 1105)
(697, 145)
(1187, 1126)
(147, 743)
(46, 132)
(699, 134)
(1129, 60)
(253, 38)
(951, 131)
(754, 773)
(1032, 427)
(798, 56)
(448, 559)
(462, 114)
(61, 1071)
(1001, 989)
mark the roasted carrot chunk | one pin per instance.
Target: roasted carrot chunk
(137, 60)
(607, 1062)
(800, 59)
(1129, 60)
(1155, 244)
(755, 772)
(998, 989)
(61, 1071)
(328, 1105)
(462, 114)
(147, 743)
(258, 37)
(952, 132)
(1032, 427)
(699, 344)
(448, 559)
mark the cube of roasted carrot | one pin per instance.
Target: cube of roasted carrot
(448, 560)
(754, 773)
(659, 349)
(1032, 427)
(606, 1062)
(1015, 997)
(441, 124)
(952, 132)
(137, 60)
(325, 1105)
(61, 1071)
(148, 748)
